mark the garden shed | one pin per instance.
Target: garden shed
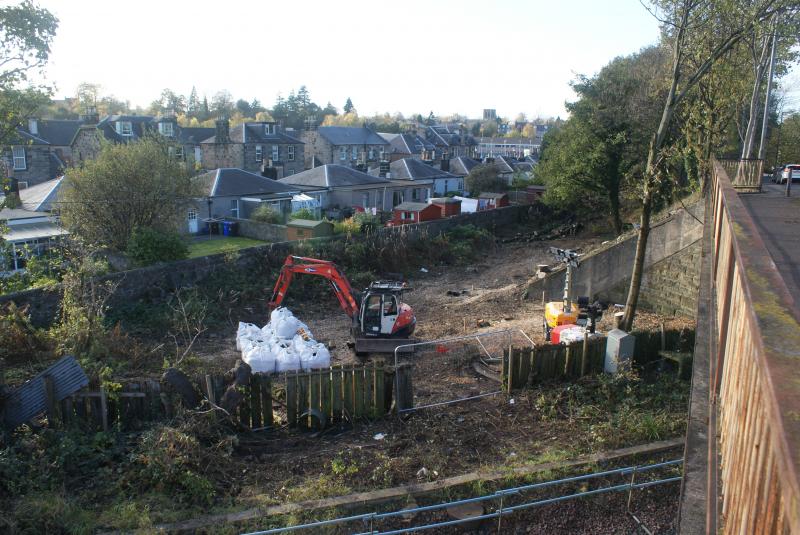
(301, 229)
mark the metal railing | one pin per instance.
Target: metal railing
(756, 386)
(501, 497)
(745, 175)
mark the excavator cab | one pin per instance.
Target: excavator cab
(382, 312)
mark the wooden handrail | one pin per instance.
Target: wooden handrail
(758, 387)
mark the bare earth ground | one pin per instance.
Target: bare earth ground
(288, 465)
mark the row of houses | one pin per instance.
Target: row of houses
(43, 149)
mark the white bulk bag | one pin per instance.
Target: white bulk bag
(261, 359)
(287, 360)
(315, 357)
(246, 331)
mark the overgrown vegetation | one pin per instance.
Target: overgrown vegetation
(265, 214)
(148, 246)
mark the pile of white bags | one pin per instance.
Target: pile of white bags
(574, 334)
(283, 344)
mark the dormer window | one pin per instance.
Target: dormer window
(166, 129)
(269, 129)
(124, 128)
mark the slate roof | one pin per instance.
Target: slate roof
(411, 206)
(408, 143)
(503, 164)
(332, 176)
(139, 124)
(462, 165)
(307, 223)
(193, 134)
(413, 169)
(40, 198)
(231, 181)
(350, 135)
(52, 131)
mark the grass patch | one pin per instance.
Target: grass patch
(202, 247)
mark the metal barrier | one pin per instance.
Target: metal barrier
(756, 381)
(499, 496)
(443, 372)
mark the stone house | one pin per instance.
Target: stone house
(259, 147)
(418, 174)
(450, 141)
(40, 151)
(343, 145)
(408, 146)
(461, 166)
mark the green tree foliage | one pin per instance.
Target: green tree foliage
(304, 213)
(602, 145)
(26, 33)
(265, 214)
(348, 106)
(787, 140)
(485, 178)
(148, 246)
(128, 186)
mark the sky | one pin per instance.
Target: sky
(411, 56)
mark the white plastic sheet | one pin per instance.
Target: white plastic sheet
(284, 344)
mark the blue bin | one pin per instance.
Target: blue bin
(226, 228)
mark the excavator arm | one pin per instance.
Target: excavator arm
(323, 268)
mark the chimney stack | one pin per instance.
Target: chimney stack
(90, 116)
(445, 164)
(223, 131)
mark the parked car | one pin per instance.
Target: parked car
(785, 172)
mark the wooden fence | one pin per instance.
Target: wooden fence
(528, 366)
(299, 399)
(745, 175)
(754, 380)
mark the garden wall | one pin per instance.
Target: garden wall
(160, 280)
(261, 231)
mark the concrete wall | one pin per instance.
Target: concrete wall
(156, 282)
(603, 272)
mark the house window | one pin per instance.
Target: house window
(276, 153)
(192, 214)
(371, 153)
(22, 184)
(19, 158)
(124, 128)
(235, 208)
(291, 153)
(415, 194)
(407, 216)
(342, 153)
(166, 129)
(198, 155)
(365, 200)
(355, 153)
(397, 198)
(179, 153)
(259, 153)
(269, 129)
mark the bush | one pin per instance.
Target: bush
(265, 214)
(305, 213)
(148, 246)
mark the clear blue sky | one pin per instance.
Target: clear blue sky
(411, 56)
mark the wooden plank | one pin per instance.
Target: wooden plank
(244, 406)
(103, 409)
(348, 394)
(369, 390)
(358, 389)
(337, 398)
(524, 367)
(266, 401)
(303, 388)
(326, 393)
(380, 399)
(314, 381)
(255, 399)
(416, 489)
(291, 399)
(405, 390)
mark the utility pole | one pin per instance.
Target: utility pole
(762, 149)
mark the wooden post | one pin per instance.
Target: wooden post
(512, 368)
(291, 399)
(266, 400)
(404, 396)
(379, 407)
(104, 409)
(567, 360)
(358, 387)
(347, 388)
(585, 353)
(53, 416)
(255, 399)
(337, 399)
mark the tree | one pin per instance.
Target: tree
(488, 128)
(222, 104)
(700, 33)
(26, 33)
(128, 186)
(485, 178)
(603, 143)
(348, 106)
(244, 107)
(193, 104)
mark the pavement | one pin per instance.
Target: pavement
(777, 218)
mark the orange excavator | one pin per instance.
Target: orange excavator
(380, 320)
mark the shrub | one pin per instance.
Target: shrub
(148, 246)
(346, 226)
(305, 213)
(265, 214)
